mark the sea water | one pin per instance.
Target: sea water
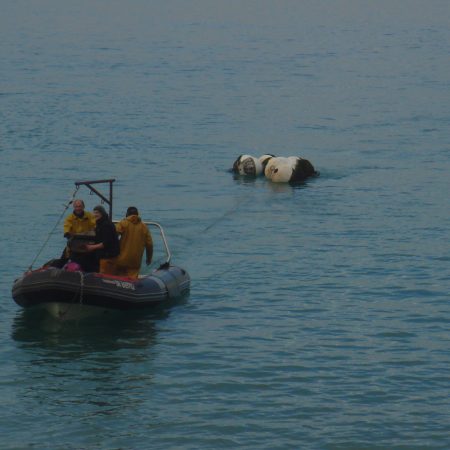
(319, 314)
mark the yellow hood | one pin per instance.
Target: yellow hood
(134, 219)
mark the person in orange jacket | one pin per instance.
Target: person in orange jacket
(134, 239)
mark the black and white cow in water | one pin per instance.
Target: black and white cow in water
(292, 169)
(250, 165)
(278, 169)
(247, 165)
(264, 159)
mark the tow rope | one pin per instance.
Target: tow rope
(54, 228)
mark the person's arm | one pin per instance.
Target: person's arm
(92, 222)
(148, 248)
(93, 247)
(120, 227)
(68, 226)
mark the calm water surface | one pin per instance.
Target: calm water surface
(319, 315)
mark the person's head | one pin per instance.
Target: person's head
(100, 213)
(132, 211)
(78, 207)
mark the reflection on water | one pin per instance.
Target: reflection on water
(269, 185)
(37, 330)
(244, 179)
(96, 366)
(280, 187)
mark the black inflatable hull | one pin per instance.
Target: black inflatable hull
(56, 289)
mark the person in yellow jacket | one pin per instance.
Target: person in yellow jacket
(134, 239)
(80, 221)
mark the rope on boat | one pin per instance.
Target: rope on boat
(54, 228)
(62, 316)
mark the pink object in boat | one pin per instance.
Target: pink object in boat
(72, 267)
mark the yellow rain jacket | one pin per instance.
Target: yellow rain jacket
(76, 225)
(135, 237)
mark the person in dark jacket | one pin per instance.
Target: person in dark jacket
(106, 245)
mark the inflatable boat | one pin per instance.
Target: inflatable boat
(71, 294)
(75, 294)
